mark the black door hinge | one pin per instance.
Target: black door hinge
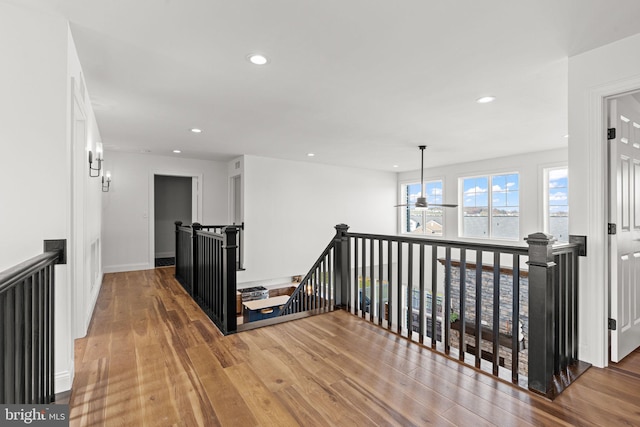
(611, 133)
(611, 229)
(612, 325)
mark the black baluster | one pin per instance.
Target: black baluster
(363, 297)
(380, 277)
(434, 296)
(9, 355)
(372, 280)
(478, 338)
(399, 289)
(28, 354)
(421, 309)
(19, 345)
(515, 320)
(463, 301)
(410, 292)
(3, 347)
(389, 284)
(447, 301)
(496, 311)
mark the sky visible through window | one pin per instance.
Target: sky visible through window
(558, 191)
(433, 192)
(558, 203)
(419, 221)
(505, 193)
(491, 206)
(476, 195)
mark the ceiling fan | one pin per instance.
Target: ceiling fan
(421, 203)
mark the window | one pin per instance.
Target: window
(557, 203)
(491, 206)
(422, 221)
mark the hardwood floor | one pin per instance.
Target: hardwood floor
(630, 364)
(152, 358)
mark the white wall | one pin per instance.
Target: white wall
(36, 181)
(594, 75)
(33, 169)
(530, 167)
(128, 205)
(291, 208)
(172, 203)
(85, 204)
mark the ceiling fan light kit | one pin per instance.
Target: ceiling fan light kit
(421, 203)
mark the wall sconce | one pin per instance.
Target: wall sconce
(106, 182)
(98, 160)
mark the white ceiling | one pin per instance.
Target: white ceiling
(360, 83)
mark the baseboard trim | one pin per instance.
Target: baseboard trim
(165, 254)
(62, 381)
(126, 267)
(92, 304)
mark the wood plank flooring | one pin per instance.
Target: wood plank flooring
(152, 358)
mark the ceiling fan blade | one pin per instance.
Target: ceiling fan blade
(444, 205)
(397, 206)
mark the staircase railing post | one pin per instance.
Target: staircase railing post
(341, 242)
(541, 312)
(240, 242)
(195, 266)
(229, 278)
(178, 248)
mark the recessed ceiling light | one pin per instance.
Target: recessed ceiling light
(196, 130)
(177, 151)
(395, 166)
(257, 59)
(485, 99)
(310, 154)
(566, 136)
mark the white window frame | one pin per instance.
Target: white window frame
(489, 176)
(403, 209)
(545, 197)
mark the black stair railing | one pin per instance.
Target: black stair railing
(316, 291)
(553, 272)
(206, 266)
(184, 256)
(478, 303)
(239, 240)
(508, 310)
(27, 328)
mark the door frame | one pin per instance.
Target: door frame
(597, 265)
(610, 247)
(196, 203)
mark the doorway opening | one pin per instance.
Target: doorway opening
(173, 201)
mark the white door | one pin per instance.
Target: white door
(624, 211)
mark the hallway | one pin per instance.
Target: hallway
(151, 357)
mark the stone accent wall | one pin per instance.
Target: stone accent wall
(506, 305)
